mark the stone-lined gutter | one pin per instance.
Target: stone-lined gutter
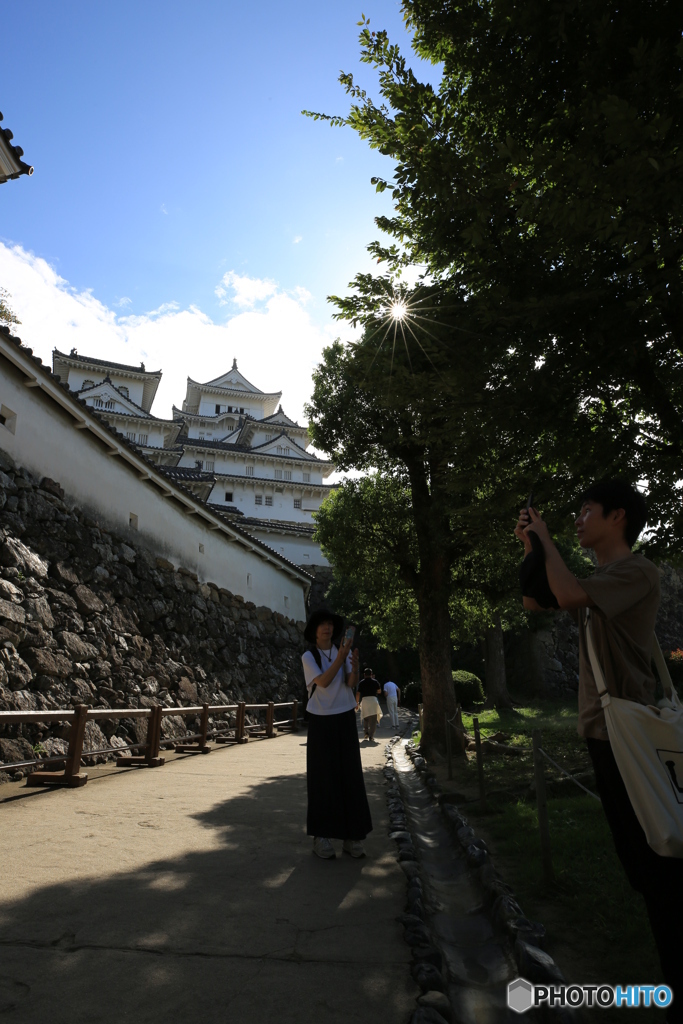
(468, 935)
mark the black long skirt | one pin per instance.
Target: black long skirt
(337, 803)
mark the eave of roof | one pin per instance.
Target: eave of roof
(92, 361)
(267, 525)
(241, 449)
(18, 353)
(11, 164)
(234, 391)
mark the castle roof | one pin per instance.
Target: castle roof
(22, 357)
(61, 363)
(11, 164)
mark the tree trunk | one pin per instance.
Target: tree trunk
(495, 684)
(438, 694)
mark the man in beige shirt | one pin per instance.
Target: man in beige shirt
(623, 594)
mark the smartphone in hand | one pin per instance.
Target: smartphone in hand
(349, 635)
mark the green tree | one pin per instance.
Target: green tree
(543, 175)
(445, 475)
(7, 316)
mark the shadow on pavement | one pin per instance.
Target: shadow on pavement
(246, 924)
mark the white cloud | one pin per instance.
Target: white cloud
(277, 346)
(297, 239)
(163, 209)
(123, 302)
(247, 290)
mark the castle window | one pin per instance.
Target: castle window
(124, 392)
(278, 474)
(249, 470)
(288, 474)
(109, 404)
(209, 466)
(279, 449)
(199, 463)
(228, 496)
(269, 499)
(201, 437)
(8, 419)
(307, 478)
(143, 438)
(99, 404)
(297, 503)
(88, 384)
(242, 410)
(229, 409)
(218, 409)
(269, 437)
(258, 499)
(249, 580)
(286, 451)
(130, 434)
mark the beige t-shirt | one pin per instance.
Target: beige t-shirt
(626, 596)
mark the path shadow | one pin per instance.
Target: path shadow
(245, 924)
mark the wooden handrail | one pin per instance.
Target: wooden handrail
(150, 757)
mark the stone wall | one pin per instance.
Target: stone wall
(87, 618)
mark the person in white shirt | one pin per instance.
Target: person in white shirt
(393, 696)
(337, 801)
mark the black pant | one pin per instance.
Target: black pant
(659, 879)
(337, 803)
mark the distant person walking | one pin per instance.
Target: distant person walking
(337, 802)
(393, 695)
(370, 711)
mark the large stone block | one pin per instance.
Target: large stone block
(48, 663)
(88, 602)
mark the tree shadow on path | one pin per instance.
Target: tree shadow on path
(245, 925)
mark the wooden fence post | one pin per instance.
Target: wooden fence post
(71, 776)
(542, 802)
(150, 758)
(295, 715)
(201, 746)
(480, 763)
(240, 734)
(270, 718)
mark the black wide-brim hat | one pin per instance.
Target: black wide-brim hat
(323, 615)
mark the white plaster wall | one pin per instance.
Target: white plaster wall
(47, 444)
(300, 550)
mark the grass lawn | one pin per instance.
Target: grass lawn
(597, 926)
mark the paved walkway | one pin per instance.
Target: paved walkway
(190, 893)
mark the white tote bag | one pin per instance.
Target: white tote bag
(647, 743)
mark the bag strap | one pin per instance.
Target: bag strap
(598, 675)
(662, 668)
(656, 654)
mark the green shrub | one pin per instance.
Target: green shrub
(468, 688)
(411, 695)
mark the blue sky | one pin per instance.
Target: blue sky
(169, 147)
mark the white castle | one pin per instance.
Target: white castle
(230, 444)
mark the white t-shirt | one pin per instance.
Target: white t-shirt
(391, 691)
(327, 700)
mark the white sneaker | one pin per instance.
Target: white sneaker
(353, 848)
(323, 848)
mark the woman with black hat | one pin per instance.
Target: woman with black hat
(337, 803)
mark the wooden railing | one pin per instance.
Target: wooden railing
(147, 754)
